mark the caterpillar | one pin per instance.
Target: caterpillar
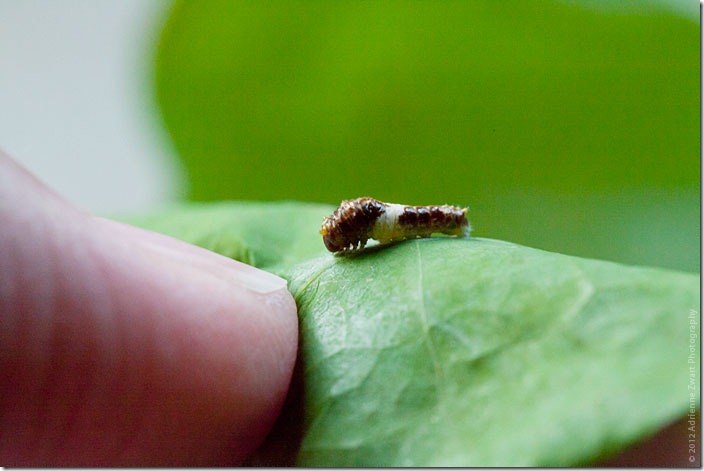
(361, 219)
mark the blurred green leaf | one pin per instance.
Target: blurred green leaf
(477, 103)
(266, 235)
(469, 352)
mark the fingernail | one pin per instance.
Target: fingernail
(257, 280)
(225, 268)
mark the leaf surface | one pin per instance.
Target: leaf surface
(482, 353)
(469, 352)
(266, 235)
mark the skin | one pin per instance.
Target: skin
(122, 347)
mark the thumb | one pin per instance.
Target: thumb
(123, 347)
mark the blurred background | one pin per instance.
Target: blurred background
(568, 125)
(76, 101)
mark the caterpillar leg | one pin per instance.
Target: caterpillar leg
(354, 247)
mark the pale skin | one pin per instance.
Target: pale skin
(122, 347)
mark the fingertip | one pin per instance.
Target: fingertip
(123, 347)
(224, 340)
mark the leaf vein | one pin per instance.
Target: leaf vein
(430, 346)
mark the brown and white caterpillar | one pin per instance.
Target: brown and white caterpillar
(359, 220)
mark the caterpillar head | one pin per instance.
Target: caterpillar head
(349, 226)
(333, 238)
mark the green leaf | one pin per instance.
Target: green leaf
(469, 352)
(266, 235)
(482, 353)
(315, 91)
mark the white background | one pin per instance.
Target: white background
(76, 103)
